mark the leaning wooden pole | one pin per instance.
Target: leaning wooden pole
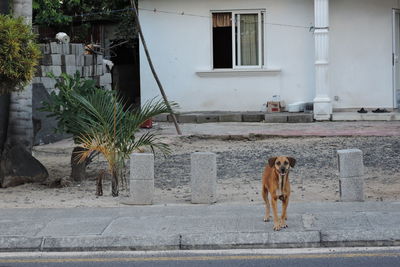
(133, 4)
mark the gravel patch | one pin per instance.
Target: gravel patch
(240, 164)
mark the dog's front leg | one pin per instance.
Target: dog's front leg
(267, 208)
(285, 203)
(274, 203)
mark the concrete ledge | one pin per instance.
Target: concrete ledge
(295, 239)
(182, 118)
(251, 240)
(20, 243)
(220, 116)
(276, 118)
(281, 239)
(223, 240)
(370, 116)
(361, 237)
(203, 118)
(93, 243)
(300, 118)
(253, 117)
(186, 118)
(230, 118)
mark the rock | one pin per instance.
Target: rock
(18, 166)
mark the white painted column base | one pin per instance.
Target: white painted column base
(322, 109)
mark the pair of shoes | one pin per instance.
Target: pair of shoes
(378, 110)
(362, 110)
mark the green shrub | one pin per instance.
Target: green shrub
(19, 54)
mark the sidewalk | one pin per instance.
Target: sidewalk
(198, 227)
(228, 225)
(260, 129)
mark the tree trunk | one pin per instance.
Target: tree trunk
(23, 8)
(114, 183)
(4, 108)
(4, 99)
(78, 169)
(20, 127)
(99, 183)
(20, 124)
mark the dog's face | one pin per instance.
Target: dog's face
(282, 164)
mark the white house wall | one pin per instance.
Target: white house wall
(361, 53)
(181, 46)
(360, 69)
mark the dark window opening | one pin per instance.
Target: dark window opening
(222, 40)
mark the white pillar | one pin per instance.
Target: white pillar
(322, 100)
(203, 177)
(141, 183)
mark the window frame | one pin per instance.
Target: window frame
(235, 16)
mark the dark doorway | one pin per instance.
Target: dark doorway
(126, 73)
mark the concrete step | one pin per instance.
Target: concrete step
(370, 116)
(206, 117)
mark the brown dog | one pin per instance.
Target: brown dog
(275, 180)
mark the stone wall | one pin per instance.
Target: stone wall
(62, 58)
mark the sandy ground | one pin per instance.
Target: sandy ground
(240, 163)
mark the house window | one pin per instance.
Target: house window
(238, 39)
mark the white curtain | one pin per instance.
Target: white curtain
(249, 39)
(222, 20)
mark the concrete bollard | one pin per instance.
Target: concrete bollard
(141, 181)
(204, 177)
(351, 172)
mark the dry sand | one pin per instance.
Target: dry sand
(240, 163)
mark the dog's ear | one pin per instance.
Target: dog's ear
(271, 161)
(292, 161)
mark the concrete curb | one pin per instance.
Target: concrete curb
(20, 243)
(362, 237)
(183, 227)
(251, 240)
(93, 243)
(289, 239)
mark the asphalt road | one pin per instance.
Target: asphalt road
(282, 257)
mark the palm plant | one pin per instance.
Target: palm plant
(110, 129)
(64, 107)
